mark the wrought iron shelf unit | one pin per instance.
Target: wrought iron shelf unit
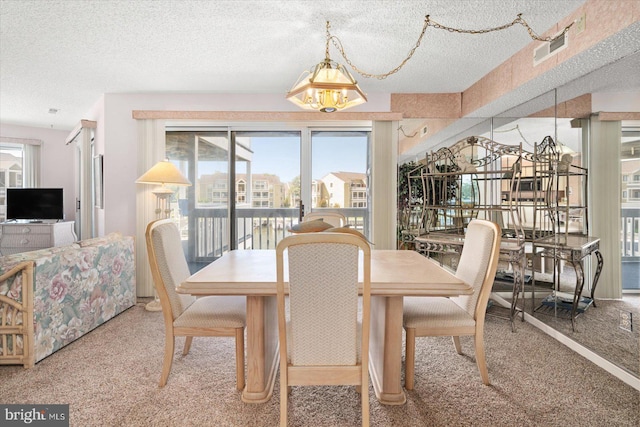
(530, 195)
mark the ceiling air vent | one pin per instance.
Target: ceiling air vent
(546, 50)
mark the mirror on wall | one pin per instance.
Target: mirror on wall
(609, 328)
(599, 327)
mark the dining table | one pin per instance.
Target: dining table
(394, 275)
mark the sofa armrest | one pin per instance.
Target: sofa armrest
(16, 315)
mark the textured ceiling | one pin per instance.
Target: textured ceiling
(64, 54)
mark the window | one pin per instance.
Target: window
(636, 178)
(19, 166)
(625, 178)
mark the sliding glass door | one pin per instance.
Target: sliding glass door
(266, 186)
(247, 203)
(339, 165)
(248, 185)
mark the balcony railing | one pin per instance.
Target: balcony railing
(630, 234)
(206, 231)
(630, 238)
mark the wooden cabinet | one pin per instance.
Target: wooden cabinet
(19, 237)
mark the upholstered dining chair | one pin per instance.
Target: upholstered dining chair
(321, 340)
(336, 219)
(457, 316)
(184, 315)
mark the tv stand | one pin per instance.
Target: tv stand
(19, 237)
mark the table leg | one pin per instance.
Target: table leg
(262, 348)
(385, 349)
(578, 292)
(518, 288)
(596, 277)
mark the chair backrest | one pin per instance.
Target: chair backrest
(168, 265)
(334, 218)
(323, 298)
(478, 263)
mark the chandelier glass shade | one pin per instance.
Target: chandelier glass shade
(327, 87)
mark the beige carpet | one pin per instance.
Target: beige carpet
(109, 377)
(597, 329)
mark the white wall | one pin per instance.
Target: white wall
(57, 160)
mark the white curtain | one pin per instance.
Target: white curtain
(151, 149)
(384, 179)
(31, 172)
(604, 202)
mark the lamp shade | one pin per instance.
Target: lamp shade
(163, 172)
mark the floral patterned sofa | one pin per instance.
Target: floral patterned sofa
(75, 288)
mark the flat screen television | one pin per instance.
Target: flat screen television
(35, 204)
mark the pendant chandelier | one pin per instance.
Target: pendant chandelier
(329, 87)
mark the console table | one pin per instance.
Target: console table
(573, 249)
(19, 237)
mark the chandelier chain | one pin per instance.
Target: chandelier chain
(430, 23)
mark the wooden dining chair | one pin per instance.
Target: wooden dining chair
(184, 315)
(321, 340)
(336, 219)
(457, 316)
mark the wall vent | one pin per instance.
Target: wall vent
(547, 49)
